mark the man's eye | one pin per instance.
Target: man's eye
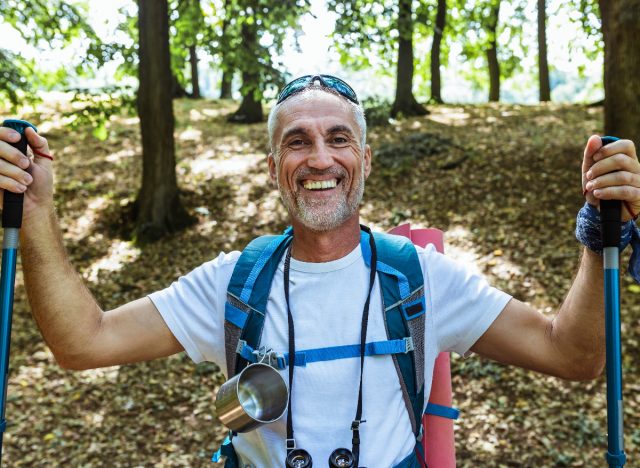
(340, 139)
(297, 142)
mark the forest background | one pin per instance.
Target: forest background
(478, 114)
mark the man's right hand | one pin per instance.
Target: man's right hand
(20, 174)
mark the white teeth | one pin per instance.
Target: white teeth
(320, 184)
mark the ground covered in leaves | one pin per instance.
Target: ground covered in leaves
(503, 182)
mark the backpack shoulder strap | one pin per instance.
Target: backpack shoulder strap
(247, 296)
(402, 287)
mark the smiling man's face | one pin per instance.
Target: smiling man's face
(320, 167)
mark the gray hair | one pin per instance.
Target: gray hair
(357, 109)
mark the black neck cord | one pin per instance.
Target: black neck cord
(355, 425)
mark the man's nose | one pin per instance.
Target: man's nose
(321, 157)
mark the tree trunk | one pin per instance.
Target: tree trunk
(250, 110)
(405, 103)
(227, 70)
(441, 17)
(158, 208)
(193, 60)
(225, 85)
(492, 54)
(543, 66)
(621, 29)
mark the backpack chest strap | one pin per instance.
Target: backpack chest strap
(304, 357)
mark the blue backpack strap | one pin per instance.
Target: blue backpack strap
(226, 450)
(247, 296)
(442, 411)
(402, 287)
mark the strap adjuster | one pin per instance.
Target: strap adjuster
(291, 444)
(240, 346)
(408, 344)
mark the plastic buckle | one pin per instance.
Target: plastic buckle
(408, 344)
(241, 345)
(291, 444)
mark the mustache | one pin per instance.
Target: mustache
(305, 172)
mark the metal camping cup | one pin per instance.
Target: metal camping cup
(258, 395)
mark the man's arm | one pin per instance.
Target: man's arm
(572, 344)
(78, 332)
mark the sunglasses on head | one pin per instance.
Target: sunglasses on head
(326, 81)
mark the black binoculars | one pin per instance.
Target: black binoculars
(339, 458)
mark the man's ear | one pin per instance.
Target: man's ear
(367, 161)
(271, 162)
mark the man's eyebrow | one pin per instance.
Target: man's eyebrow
(341, 129)
(294, 131)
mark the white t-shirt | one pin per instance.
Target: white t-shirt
(326, 304)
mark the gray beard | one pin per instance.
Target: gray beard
(324, 215)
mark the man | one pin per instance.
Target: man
(319, 161)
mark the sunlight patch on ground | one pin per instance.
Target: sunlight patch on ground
(213, 112)
(190, 134)
(84, 223)
(235, 165)
(120, 253)
(455, 117)
(109, 374)
(119, 155)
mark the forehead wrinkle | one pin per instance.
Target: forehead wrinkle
(294, 131)
(341, 129)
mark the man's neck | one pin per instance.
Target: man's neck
(325, 246)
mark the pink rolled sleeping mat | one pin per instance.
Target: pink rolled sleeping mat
(437, 442)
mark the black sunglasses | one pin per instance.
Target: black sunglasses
(327, 81)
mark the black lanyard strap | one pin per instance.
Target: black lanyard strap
(355, 425)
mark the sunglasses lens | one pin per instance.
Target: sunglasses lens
(327, 81)
(340, 86)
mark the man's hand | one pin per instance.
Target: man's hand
(612, 172)
(20, 174)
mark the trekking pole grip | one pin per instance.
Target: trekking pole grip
(12, 202)
(610, 213)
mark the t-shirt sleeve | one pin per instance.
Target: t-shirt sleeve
(193, 308)
(462, 304)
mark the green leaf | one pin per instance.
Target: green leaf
(100, 132)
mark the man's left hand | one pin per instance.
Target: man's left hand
(612, 172)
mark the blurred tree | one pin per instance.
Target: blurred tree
(543, 66)
(438, 31)
(158, 209)
(226, 65)
(405, 102)
(46, 24)
(254, 38)
(621, 29)
(188, 26)
(478, 28)
(365, 36)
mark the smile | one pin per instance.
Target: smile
(320, 184)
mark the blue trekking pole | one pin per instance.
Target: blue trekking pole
(610, 214)
(11, 222)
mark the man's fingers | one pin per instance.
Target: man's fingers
(13, 155)
(613, 162)
(7, 183)
(593, 144)
(625, 147)
(10, 135)
(36, 141)
(618, 192)
(614, 179)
